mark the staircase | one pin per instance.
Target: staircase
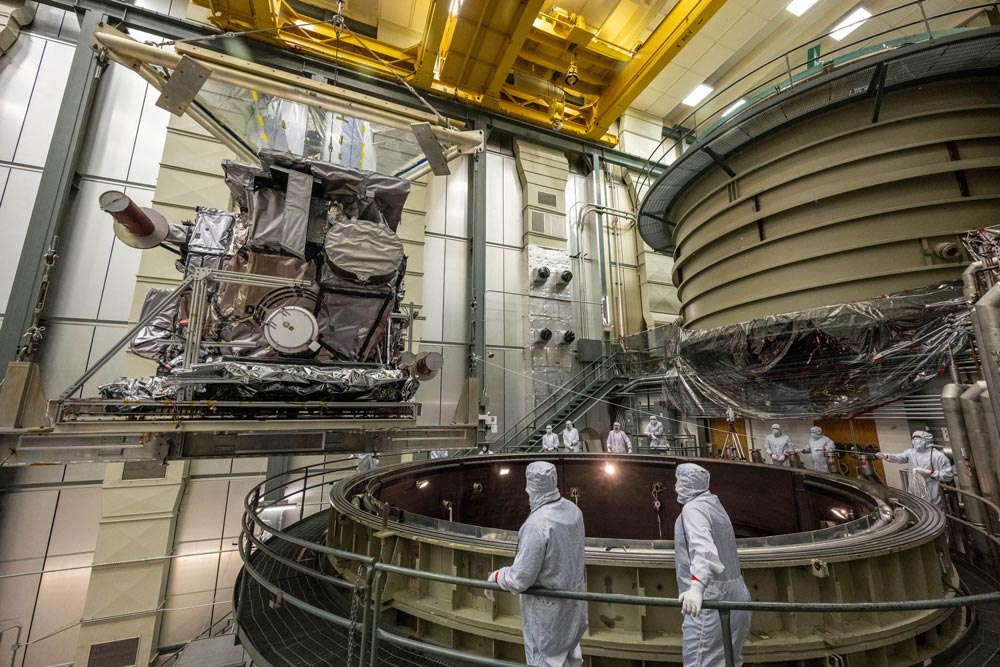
(570, 401)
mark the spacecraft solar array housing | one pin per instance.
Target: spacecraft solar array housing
(327, 335)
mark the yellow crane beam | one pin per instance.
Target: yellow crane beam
(674, 32)
(522, 27)
(430, 46)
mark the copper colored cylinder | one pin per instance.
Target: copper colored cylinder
(126, 213)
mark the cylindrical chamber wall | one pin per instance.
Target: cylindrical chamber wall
(903, 556)
(837, 208)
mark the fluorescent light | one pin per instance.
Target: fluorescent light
(609, 469)
(733, 107)
(455, 6)
(799, 7)
(422, 484)
(697, 95)
(504, 471)
(850, 24)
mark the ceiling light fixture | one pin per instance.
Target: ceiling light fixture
(422, 484)
(733, 107)
(697, 95)
(799, 7)
(504, 471)
(850, 24)
(609, 469)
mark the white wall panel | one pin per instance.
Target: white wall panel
(17, 600)
(17, 81)
(28, 516)
(434, 280)
(511, 188)
(495, 320)
(74, 531)
(495, 195)
(114, 123)
(458, 183)
(456, 291)
(202, 510)
(60, 604)
(47, 22)
(437, 203)
(18, 197)
(64, 355)
(452, 380)
(149, 140)
(40, 119)
(513, 285)
(85, 249)
(515, 387)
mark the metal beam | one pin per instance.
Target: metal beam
(522, 26)
(674, 32)
(476, 212)
(54, 188)
(437, 18)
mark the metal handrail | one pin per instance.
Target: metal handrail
(376, 571)
(767, 89)
(559, 399)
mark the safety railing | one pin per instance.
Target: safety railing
(368, 588)
(794, 67)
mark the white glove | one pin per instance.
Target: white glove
(923, 471)
(691, 599)
(783, 457)
(771, 454)
(630, 450)
(494, 576)
(882, 456)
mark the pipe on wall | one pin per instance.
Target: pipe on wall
(977, 436)
(955, 420)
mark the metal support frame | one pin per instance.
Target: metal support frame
(55, 187)
(476, 216)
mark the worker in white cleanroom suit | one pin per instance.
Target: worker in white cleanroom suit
(367, 462)
(618, 440)
(928, 467)
(439, 453)
(708, 568)
(820, 447)
(571, 438)
(654, 434)
(778, 446)
(550, 441)
(550, 548)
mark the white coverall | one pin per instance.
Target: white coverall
(780, 448)
(819, 448)
(924, 457)
(619, 442)
(366, 463)
(705, 549)
(571, 439)
(550, 442)
(654, 433)
(550, 548)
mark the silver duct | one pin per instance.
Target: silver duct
(977, 436)
(964, 460)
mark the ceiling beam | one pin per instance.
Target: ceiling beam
(437, 18)
(519, 33)
(674, 33)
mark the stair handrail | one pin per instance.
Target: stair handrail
(557, 400)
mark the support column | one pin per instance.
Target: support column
(476, 211)
(121, 615)
(54, 188)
